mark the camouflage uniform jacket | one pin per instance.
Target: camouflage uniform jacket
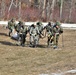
(40, 28)
(49, 30)
(11, 25)
(57, 30)
(18, 28)
(34, 31)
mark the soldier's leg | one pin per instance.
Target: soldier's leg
(51, 40)
(48, 41)
(13, 31)
(38, 39)
(35, 41)
(55, 41)
(31, 40)
(23, 39)
(19, 39)
(10, 31)
(57, 38)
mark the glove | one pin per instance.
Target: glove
(61, 31)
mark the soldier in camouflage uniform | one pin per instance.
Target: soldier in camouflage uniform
(49, 31)
(21, 31)
(34, 32)
(23, 37)
(40, 28)
(28, 30)
(11, 26)
(57, 30)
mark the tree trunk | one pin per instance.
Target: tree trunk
(2, 9)
(70, 14)
(52, 9)
(61, 9)
(20, 10)
(48, 10)
(44, 9)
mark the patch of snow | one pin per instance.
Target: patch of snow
(64, 25)
(61, 73)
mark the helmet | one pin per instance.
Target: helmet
(58, 23)
(39, 23)
(12, 19)
(20, 22)
(49, 23)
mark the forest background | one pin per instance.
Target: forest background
(43, 10)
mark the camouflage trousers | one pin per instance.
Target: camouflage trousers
(49, 38)
(34, 40)
(11, 31)
(21, 38)
(56, 38)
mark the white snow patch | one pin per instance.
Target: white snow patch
(61, 73)
(64, 25)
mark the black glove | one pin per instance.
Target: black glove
(61, 32)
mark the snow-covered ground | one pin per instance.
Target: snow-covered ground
(68, 26)
(64, 25)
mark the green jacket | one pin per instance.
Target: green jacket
(21, 28)
(58, 29)
(11, 25)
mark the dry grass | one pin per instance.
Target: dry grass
(17, 60)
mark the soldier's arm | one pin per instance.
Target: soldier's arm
(61, 30)
(9, 25)
(25, 29)
(30, 32)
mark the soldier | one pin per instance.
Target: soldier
(57, 30)
(34, 32)
(11, 26)
(40, 28)
(49, 31)
(30, 27)
(28, 30)
(23, 37)
(21, 31)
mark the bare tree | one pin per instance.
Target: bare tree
(52, 9)
(44, 9)
(61, 9)
(2, 9)
(48, 12)
(30, 0)
(71, 9)
(40, 4)
(16, 3)
(20, 10)
(13, 4)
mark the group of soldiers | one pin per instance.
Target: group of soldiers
(36, 31)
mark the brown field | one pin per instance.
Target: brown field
(17, 60)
